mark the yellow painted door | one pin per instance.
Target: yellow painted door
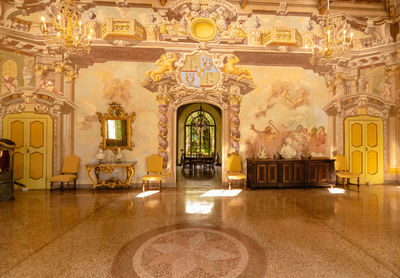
(364, 148)
(32, 134)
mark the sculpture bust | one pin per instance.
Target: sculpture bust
(100, 155)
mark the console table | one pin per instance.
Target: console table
(289, 172)
(108, 168)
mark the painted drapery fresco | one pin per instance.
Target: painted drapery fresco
(283, 115)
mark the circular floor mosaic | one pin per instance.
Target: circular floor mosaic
(190, 251)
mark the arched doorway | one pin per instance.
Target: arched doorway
(198, 145)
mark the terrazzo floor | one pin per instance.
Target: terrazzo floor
(191, 232)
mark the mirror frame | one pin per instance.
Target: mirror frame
(116, 112)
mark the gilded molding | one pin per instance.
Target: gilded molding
(116, 112)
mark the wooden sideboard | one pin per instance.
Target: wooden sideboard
(289, 172)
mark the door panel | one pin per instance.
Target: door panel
(357, 162)
(272, 173)
(37, 134)
(372, 162)
(324, 170)
(374, 150)
(33, 134)
(36, 165)
(18, 166)
(357, 133)
(298, 170)
(17, 133)
(364, 147)
(261, 174)
(312, 173)
(372, 135)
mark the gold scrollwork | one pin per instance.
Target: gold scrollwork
(116, 128)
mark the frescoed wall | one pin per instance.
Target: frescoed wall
(104, 83)
(13, 68)
(284, 114)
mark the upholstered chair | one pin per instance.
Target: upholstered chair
(342, 171)
(234, 170)
(68, 173)
(154, 165)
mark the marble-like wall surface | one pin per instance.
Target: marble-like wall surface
(120, 82)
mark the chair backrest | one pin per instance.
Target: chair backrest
(340, 163)
(70, 164)
(234, 163)
(154, 163)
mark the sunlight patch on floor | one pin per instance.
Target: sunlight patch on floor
(222, 193)
(334, 190)
(147, 193)
(198, 207)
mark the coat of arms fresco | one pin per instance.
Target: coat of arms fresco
(199, 71)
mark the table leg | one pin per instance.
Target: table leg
(129, 173)
(90, 174)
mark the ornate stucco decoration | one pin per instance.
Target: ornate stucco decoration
(198, 76)
(205, 20)
(351, 105)
(28, 99)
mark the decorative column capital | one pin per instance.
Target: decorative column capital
(163, 99)
(59, 66)
(41, 69)
(70, 74)
(235, 99)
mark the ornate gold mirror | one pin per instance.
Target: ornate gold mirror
(116, 128)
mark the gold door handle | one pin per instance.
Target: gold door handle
(27, 150)
(366, 149)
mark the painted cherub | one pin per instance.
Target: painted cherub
(230, 67)
(386, 91)
(9, 84)
(47, 85)
(302, 99)
(165, 66)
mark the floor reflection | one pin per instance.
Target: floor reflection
(302, 231)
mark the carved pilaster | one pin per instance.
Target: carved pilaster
(234, 105)
(330, 84)
(163, 102)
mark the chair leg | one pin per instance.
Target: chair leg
(160, 186)
(143, 186)
(51, 186)
(75, 184)
(244, 184)
(229, 185)
(62, 186)
(358, 184)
